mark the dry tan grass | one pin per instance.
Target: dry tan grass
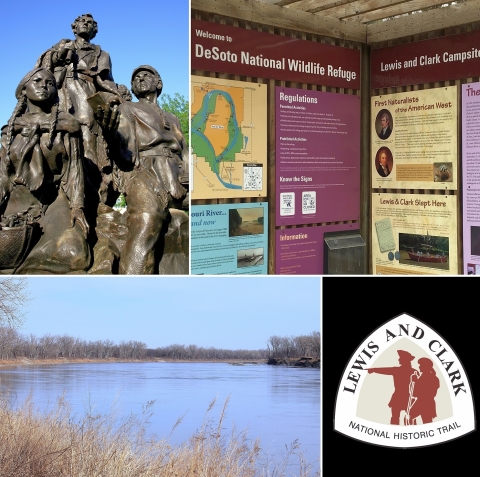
(57, 445)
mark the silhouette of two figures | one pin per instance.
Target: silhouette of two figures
(414, 391)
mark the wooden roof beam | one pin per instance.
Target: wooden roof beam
(281, 17)
(356, 8)
(432, 20)
(281, 3)
(387, 12)
(313, 6)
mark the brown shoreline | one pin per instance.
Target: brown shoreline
(33, 362)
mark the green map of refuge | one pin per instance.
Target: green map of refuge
(228, 138)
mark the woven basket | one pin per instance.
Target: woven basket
(14, 245)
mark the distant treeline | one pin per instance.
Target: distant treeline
(15, 345)
(294, 346)
(177, 351)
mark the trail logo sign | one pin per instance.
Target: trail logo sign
(404, 387)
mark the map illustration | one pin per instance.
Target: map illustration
(229, 138)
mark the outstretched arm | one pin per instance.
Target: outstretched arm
(390, 371)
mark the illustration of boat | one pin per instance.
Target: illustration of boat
(426, 257)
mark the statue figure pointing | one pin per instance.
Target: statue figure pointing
(401, 380)
(150, 148)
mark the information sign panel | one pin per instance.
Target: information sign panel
(229, 239)
(471, 177)
(229, 138)
(317, 156)
(301, 251)
(414, 140)
(414, 234)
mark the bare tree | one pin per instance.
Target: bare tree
(14, 297)
(287, 347)
(10, 342)
(274, 343)
(294, 346)
(302, 344)
(315, 343)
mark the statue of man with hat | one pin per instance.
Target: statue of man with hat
(149, 150)
(401, 380)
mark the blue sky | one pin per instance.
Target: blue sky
(151, 32)
(224, 312)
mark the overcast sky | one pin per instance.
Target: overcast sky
(151, 32)
(224, 312)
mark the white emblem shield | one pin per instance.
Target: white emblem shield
(404, 387)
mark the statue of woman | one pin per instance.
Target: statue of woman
(41, 174)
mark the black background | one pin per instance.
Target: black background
(352, 309)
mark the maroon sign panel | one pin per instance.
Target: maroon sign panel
(439, 59)
(300, 251)
(317, 138)
(233, 50)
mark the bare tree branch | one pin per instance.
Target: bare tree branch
(14, 297)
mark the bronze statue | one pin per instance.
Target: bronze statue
(41, 177)
(150, 147)
(76, 141)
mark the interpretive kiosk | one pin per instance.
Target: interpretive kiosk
(275, 119)
(368, 124)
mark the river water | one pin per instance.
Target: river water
(275, 403)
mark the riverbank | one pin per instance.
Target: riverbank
(303, 362)
(42, 362)
(296, 362)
